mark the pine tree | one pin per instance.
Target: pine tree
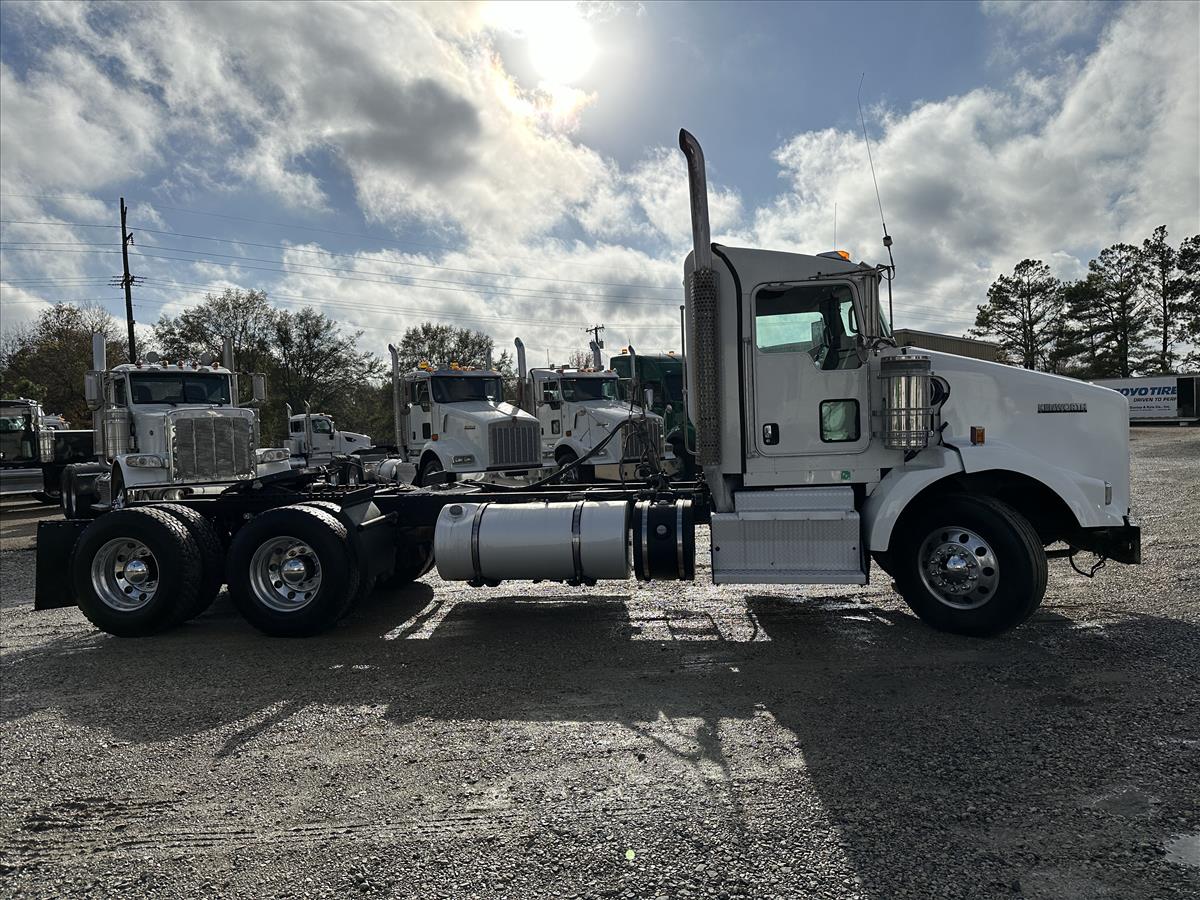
(1121, 324)
(1164, 291)
(1189, 298)
(1023, 312)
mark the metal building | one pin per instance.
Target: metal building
(947, 343)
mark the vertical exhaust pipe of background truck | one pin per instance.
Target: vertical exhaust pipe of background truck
(597, 359)
(99, 353)
(703, 309)
(522, 374)
(396, 436)
(230, 363)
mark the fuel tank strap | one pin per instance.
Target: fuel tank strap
(577, 540)
(475, 525)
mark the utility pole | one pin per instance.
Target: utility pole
(595, 331)
(127, 281)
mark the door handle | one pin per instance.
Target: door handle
(770, 433)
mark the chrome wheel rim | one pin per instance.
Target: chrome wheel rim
(958, 567)
(285, 574)
(125, 574)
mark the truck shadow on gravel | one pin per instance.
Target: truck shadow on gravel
(1053, 761)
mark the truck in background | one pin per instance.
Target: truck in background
(581, 417)
(972, 348)
(662, 374)
(32, 439)
(165, 431)
(453, 423)
(313, 439)
(1159, 399)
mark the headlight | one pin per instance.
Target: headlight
(273, 454)
(145, 461)
(464, 460)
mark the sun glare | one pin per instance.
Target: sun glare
(558, 38)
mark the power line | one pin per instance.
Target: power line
(359, 256)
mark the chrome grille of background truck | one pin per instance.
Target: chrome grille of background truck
(514, 444)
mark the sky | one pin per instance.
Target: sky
(513, 167)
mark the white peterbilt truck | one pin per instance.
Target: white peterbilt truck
(821, 445)
(452, 423)
(164, 431)
(582, 419)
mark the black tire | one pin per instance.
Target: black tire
(883, 559)
(212, 557)
(327, 544)
(578, 475)
(366, 585)
(412, 561)
(1011, 574)
(174, 563)
(429, 466)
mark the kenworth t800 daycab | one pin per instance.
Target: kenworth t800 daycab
(821, 445)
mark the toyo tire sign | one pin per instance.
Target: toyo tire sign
(1149, 398)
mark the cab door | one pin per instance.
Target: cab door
(809, 377)
(418, 421)
(549, 406)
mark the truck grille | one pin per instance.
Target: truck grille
(514, 444)
(205, 448)
(633, 439)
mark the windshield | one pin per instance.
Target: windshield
(178, 387)
(456, 390)
(577, 390)
(673, 385)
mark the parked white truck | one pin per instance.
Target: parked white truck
(165, 431)
(582, 417)
(821, 445)
(453, 424)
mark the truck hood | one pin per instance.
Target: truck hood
(1068, 423)
(609, 413)
(481, 412)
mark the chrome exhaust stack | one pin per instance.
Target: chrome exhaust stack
(597, 359)
(522, 375)
(703, 308)
(396, 403)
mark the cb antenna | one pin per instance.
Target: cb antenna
(887, 238)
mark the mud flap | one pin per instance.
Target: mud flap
(55, 548)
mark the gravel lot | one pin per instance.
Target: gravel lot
(541, 741)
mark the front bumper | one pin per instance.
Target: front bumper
(1121, 543)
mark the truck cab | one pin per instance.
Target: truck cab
(166, 430)
(455, 421)
(314, 437)
(577, 409)
(662, 375)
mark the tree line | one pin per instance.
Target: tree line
(1136, 312)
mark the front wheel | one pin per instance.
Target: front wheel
(426, 475)
(972, 565)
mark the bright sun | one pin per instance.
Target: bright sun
(559, 39)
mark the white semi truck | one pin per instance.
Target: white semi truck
(453, 424)
(821, 445)
(165, 431)
(582, 419)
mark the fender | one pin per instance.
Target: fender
(1082, 494)
(893, 494)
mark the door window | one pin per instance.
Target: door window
(815, 319)
(839, 421)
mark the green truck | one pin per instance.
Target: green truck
(663, 374)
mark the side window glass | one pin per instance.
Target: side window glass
(839, 421)
(816, 319)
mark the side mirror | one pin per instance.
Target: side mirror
(258, 387)
(93, 390)
(649, 395)
(669, 409)
(425, 406)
